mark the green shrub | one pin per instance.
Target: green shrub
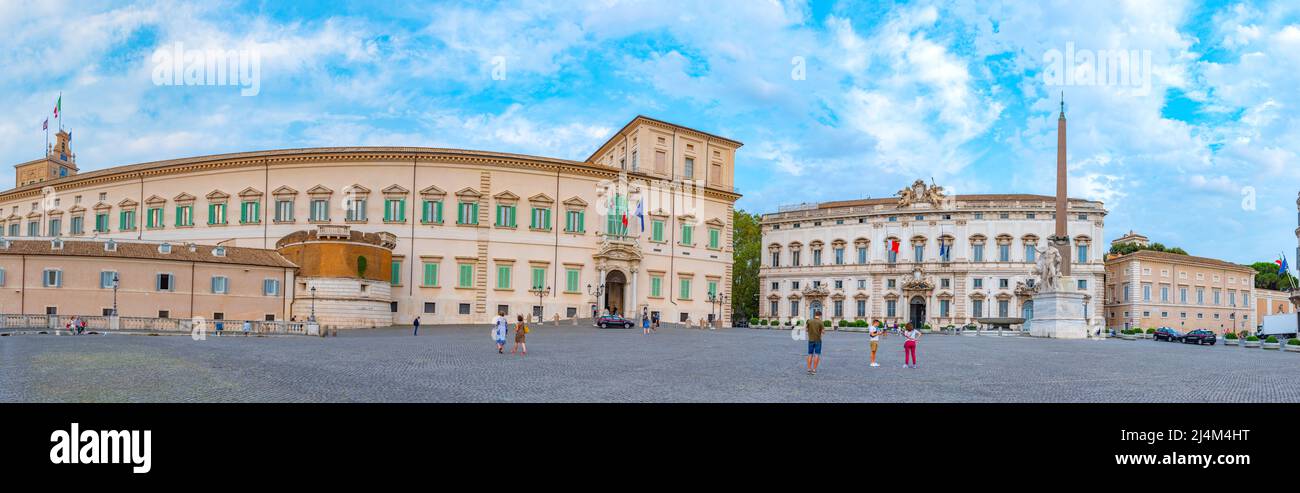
(843, 323)
(1271, 339)
(787, 323)
(927, 327)
(1230, 335)
(1252, 339)
(860, 323)
(798, 322)
(1293, 341)
(753, 321)
(1151, 331)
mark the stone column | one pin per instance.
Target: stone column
(630, 296)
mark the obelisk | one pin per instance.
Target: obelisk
(1061, 240)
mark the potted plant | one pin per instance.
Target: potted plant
(1150, 334)
(1271, 343)
(1252, 341)
(753, 321)
(1230, 339)
(926, 328)
(1128, 335)
(1293, 345)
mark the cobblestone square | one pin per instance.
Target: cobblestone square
(585, 364)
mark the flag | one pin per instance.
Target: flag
(943, 250)
(1282, 268)
(640, 214)
(893, 246)
(45, 125)
(58, 105)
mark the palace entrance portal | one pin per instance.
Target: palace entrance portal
(615, 283)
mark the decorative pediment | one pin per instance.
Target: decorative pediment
(395, 190)
(155, 200)
(1004, 296)
(575, 202)
(127, 203)
(319, 190)
(100, 207)
(861, 242)
(837, 243)
(891, 296)
(978, 239)
(33, 215)
(838, 296)
(506, 196)
(658, 213)
(284, 191)
(944, 295)
(918, 285)
(773, 296)
(469, 193)
(432, 193)
(861, 296)
(978, 295)
(54, 212)
(794, 296)
(356, 189)
(815, 292)
(775, 247)
(14, 217)
(541, 198)
(217, 195)
(76, 208)
(618, 251)
(715, 222)
(250, 193)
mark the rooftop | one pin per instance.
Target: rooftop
(128, 249)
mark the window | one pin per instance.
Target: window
(185, 215)
(467, 213)
(541, 218)
(918, 252)
(503, 276)
(1182, 295)
(862, 255)
(101, 224)
(839, 308)
(715, 240)
(538, 277)
(943, 308)
(891, 308)
(270, 287)
(794, 285)
(430, 275)
(656, 286)
(573, 279)
(1004, 283)
(126, 221)
(395, 210)
(1081, 254)
(250, 212)
(106, 279)
(1004, 308)
(284, 211)
(1083, 284)
(164, 282)
(773, 307)
(396, 276)
(817, 257)
(862, 308)
(1004, 253)
(2, 277)
(794, 308)
(431, 212)
(979, 283)
(356, 210)
(154, 219)
(216, 214)
(687, 231)
(862, 284)
(575, 222)
(977, 308)
(465, 275)
(1164, 294)
(839, 284)
(463, 309)
(220, 284)
(891, 283)
(505, 216)
(320, 210)
(52, 278)
(1146, 292)
(977, 253)
(77, 226)
(776, 259)
(1030, 253)
(430, 307)
(685, 292)
(689, 172)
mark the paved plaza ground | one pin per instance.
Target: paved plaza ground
(585, 364)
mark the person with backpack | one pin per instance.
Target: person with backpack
(521, 330)
(416, 323)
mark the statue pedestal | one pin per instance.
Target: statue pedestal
(1059, 314)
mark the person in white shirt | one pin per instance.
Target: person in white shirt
(909, 346)
(875, 332)
(499, 328)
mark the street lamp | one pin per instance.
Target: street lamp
(541, 293)
(595, 293)
(313, 304)
(115, 283)
(715, 303)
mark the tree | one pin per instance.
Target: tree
(746, 243)
(1266, 277)
(1127, 248)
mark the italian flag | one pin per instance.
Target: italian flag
(58, 105)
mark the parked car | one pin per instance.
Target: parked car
(1200, 336)
(607, 321)
(740, 323)
(1167, 334)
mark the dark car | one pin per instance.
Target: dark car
(1167, 334)
(1200, 336)
(740, 323)
(607, 321)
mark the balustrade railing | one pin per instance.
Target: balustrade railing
(147, 324)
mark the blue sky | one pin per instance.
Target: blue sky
(893, 91)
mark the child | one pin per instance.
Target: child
(499, 328)
(521, 329)
(876, 329)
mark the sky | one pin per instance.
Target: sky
(1187, 139)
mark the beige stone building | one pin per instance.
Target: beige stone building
(959, 257)
(474, 231)
(1157, 289)
(154, 279)
(1270, 302)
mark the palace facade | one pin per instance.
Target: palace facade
(473, 232)
(958, 257)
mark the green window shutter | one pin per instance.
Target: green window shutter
(582, 221)
(503, 277)
(179, 218)
(539, 278)
(388, 210)
(532, 219)
(571, 280)
(657, 230)
(397, 273)
(430, 274)
(460, 214)
(437, 211)
(473, 210)
(713, 288)
(401, 210)
(714, 237)
(466, 276)
(684, 292)
(656, 286)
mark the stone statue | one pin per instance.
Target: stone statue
(906, 196)
(1048, 269)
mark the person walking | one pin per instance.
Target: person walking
(499, 328)
(875, 332)
(645, 325)
(416, 323)
(909, 346)
(81, 326)
(654, 322)
(248, 327)
(521, 330)
(814, 343)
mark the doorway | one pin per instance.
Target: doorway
(917, 312)
(615, 282)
